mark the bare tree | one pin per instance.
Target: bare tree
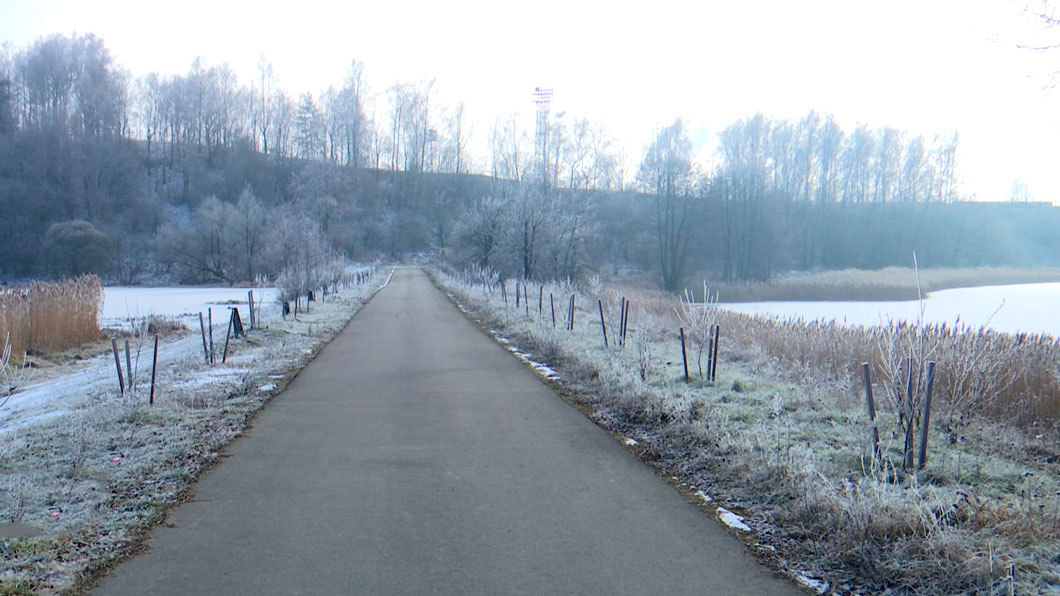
(666, 172)
(266, 89)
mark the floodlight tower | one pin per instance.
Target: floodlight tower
(542, 97)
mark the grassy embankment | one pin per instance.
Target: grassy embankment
(86, 481)
(783, 436)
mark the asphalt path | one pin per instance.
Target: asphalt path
(417, 456)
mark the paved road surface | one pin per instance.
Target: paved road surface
(416, 456)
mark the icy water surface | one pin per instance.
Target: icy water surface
(1033, 308)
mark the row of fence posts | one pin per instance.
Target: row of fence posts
(714, 337)
(522, 300)
(907, 414)
(129, 368)
(287, 308)
(127, 379)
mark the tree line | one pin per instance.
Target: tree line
(203, 177)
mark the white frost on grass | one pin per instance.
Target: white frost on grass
(812, 583)
(86, 462)
(630, 441)
(212, 377)
(704, 496)
(732, 520)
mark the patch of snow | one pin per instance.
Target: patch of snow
(812, 583)
(267, 387)
(702, 495)
(545, 370)
(732, 520)
(630, 441)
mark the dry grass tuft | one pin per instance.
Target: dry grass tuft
(49, 317)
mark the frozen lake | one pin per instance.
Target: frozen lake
(1033, 308)
(122, 302)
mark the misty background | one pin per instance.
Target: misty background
(648, 157)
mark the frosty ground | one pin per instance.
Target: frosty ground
(778, 448)
(84, 472)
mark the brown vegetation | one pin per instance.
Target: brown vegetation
(891, 283)
(46, 317)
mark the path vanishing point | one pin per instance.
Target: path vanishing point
(416, 456)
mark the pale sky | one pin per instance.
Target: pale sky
(928, 67)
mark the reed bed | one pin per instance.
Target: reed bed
(42, 317)
(981, 372)
(891, 283)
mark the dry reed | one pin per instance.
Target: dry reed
(891, 283)
(48, 317)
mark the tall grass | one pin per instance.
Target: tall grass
(980, 372)
(48, 317)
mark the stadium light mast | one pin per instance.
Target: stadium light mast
(542, 97)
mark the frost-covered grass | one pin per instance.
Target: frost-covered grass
(781, 443)
(92, 471)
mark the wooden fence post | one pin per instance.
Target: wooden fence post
(552, 303)
(228, 333)
(154, 368)
(925, 422)
(907, 452)
(209, 314)
(128, 365)
(250, 301)
(871, 405)
(603, 325)
(714, 360)
(684, 353)
(202, 328)
(117, 364)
